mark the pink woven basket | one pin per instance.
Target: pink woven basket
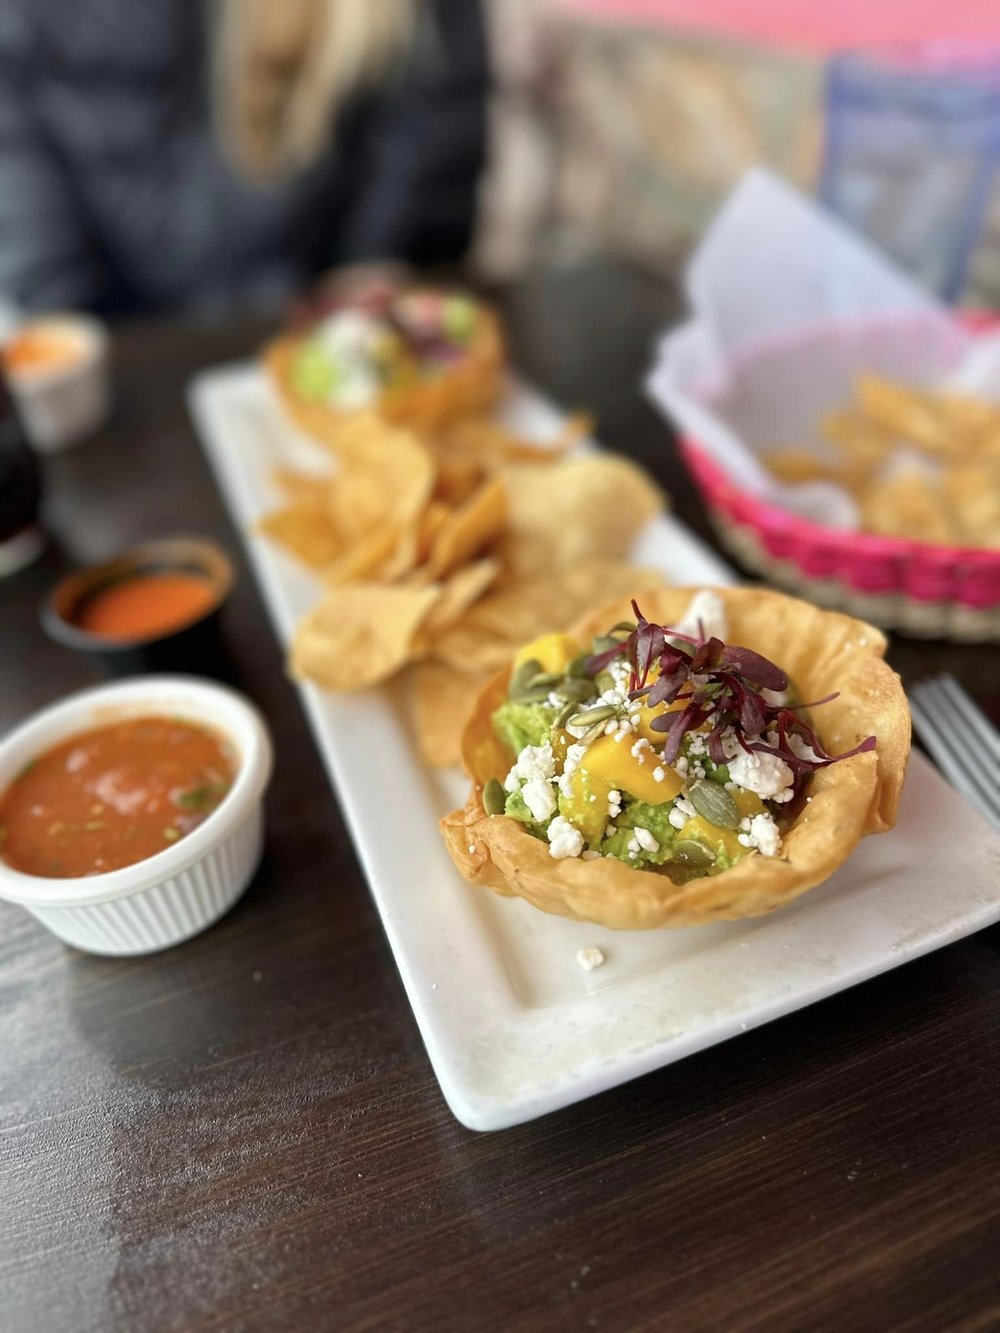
(931, 591)
(926, 590)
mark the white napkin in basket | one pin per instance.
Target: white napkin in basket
(788, 307)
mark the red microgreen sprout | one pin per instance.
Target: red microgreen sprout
(722, 684)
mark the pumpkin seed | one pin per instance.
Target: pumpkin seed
(714, 803)
(523, 674)
(580, 690)
(681, 874)
(494, 798)
(623, 627)
(693, 853)
(538, 695)
(605, 681)
(591, 716)
(546, 678)
(566, 712)
(578, 667)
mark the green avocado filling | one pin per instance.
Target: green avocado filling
(591, 778)
(638, 832)
(313, 372)
(515, 807)
(612, 748)
(458, 318)
(637, 814)
(520, 724)
(331, 362)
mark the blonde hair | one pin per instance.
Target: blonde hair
(283, 69)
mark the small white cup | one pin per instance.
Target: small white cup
(61, 405)
(178, 892)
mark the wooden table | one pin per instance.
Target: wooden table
(244, 1132)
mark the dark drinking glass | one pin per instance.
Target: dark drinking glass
(20, 489)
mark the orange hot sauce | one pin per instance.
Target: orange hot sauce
(146, 606)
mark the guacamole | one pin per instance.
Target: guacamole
(595, 771)
(387, 339)
(518, 725)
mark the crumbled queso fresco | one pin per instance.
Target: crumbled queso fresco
(547, 785)
(590, 958)
(765, 775)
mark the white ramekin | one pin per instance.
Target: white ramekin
(62, 405)
(178, 892)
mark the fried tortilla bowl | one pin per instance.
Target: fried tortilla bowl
(821, 651)
(469, 388)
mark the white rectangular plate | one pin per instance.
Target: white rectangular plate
(513, 1027)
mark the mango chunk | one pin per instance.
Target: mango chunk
(646, 715)
(702, 831)
(614, 762)
(553, 651)
(560, 741)
(747, 802)
(586, 804)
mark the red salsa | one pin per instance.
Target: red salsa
(113, 796)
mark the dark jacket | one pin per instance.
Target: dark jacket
(115, 196)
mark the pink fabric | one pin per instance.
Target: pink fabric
(806, 24)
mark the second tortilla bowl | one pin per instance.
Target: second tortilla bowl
(821, 652)
(470, 387)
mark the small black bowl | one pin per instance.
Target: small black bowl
(193, 646)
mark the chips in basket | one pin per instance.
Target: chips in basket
(921, 463)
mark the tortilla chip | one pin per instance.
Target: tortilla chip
(458, 593)
(486, 443)
(972, 491)
(306, 487)
(442, 702)
(820, 650)
(366, 559)
(794, 466)
(988, 442)
(431, 522)
(903, 411)
(359, 635)
(457, 478)
(385, 478)
(578, 426)
(472, 651)
(306, 530)
(518, 610)
(470, 528)
(592, 506)
(967, 420)
(522, 608)
(906, 504)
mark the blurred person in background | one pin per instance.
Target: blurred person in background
(170, 154)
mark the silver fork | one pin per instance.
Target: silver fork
(962, 739)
